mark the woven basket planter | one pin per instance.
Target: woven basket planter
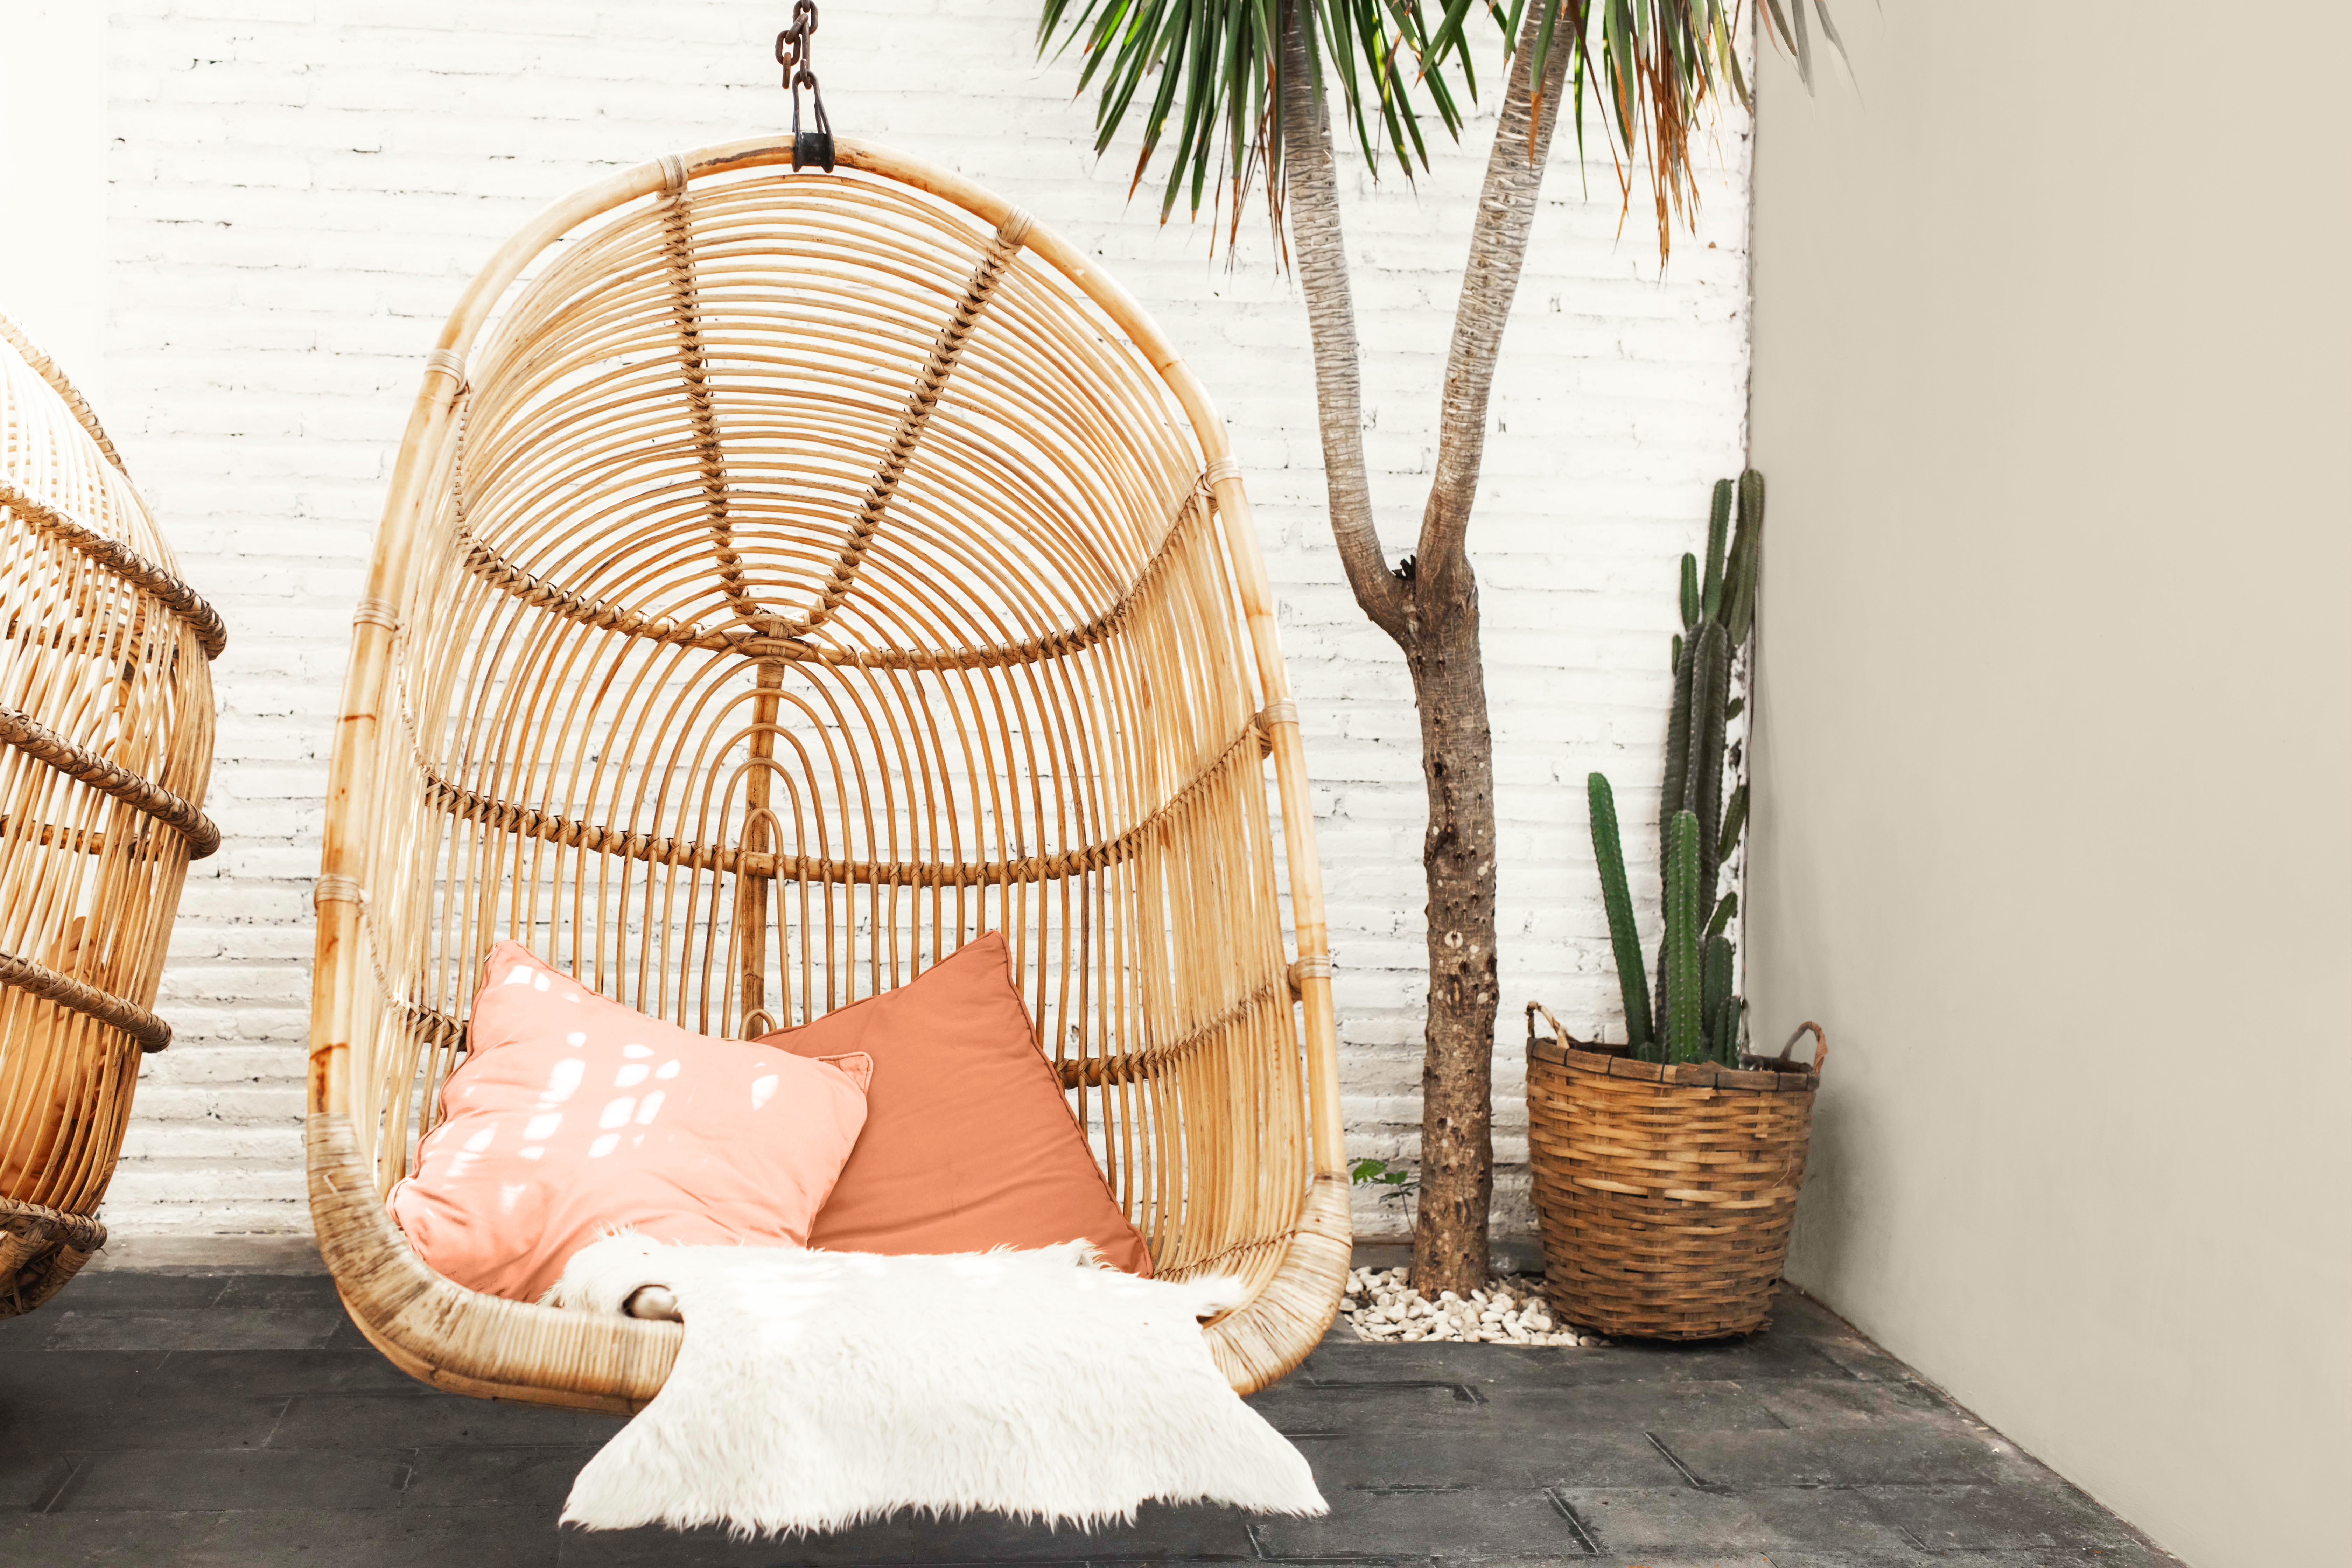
(1665, 1194)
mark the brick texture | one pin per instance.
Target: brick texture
(299, 189)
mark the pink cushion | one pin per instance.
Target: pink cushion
(970, 1143)
(573, 1115)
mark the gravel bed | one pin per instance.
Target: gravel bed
(1511, 1310)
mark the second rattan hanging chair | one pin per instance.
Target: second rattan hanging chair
(106, 744)
(786, 577)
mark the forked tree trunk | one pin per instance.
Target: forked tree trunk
(1430, 606)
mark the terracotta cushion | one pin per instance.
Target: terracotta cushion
(969, 1142)
(572, 1116)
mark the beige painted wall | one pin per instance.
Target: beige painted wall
(2053, 388)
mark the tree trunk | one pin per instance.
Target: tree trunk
(1431, 609)
(1457, 856)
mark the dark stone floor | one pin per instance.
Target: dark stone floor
(163, 1420)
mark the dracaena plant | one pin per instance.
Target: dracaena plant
(1236, 96)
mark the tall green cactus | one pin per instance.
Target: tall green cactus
(1692, 1014)
(1623, 935)
(1686, 992)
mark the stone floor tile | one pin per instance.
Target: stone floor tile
(1857, 1402)
(27, 1481)
(100, 1540)
(1753, 1359)
(1980, 1518)
(1726, 1559)
(34, 1383)
(280, 1291)
(1880, 1455)
(398, 1420)
(347, 1335)
(195, 1329)
(1533, 1367)
(1796, 1315)
(667, 1549)
(1363, 1406)
(1675, 1405)
(128, 1292)
(1342, 1357)
(1687, 1520)
(2135, 1556)
(1433, 1452)
(203, 1480)
(402, 1538)
(285, 1373)
(1859, 1358)
(146, 1419)
(1426, 1521)
(471, 1476)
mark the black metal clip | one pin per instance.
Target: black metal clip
(809, 147)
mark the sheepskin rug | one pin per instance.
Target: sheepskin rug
(819, 1389)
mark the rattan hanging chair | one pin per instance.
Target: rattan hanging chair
(786, 577)
(106, 742)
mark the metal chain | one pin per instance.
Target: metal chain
(793, 54)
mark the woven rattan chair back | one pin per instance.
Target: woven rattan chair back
(787, 577)
(106, 742)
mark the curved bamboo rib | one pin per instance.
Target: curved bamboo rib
(1092, 1073)
(67, 393)
(123, 562)
(945, 352)
(786, 578)
(45, 745)
(472, 805)
(588, 611)
(23, 974)
(677, 254)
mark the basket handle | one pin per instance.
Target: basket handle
(1821, 1042)
(1559, 1031)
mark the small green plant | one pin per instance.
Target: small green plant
(1693, 1014)
(1398, 1182)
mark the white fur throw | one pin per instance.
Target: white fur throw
(816, 1390)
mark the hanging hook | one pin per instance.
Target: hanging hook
(793, 54)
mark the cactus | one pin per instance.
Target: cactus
(1685, 1001)
(1717, 518)
(1715, 978)
(1703, 786)
(1687, 1011)
(1735, 817)
(1623, 936)
(1725, 1042)
(1723, 913)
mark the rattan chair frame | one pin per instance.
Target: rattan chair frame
(106, 740)
(784, 577)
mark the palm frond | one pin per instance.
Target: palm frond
(1203, 77)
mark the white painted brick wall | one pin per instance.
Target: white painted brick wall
(299, 189)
